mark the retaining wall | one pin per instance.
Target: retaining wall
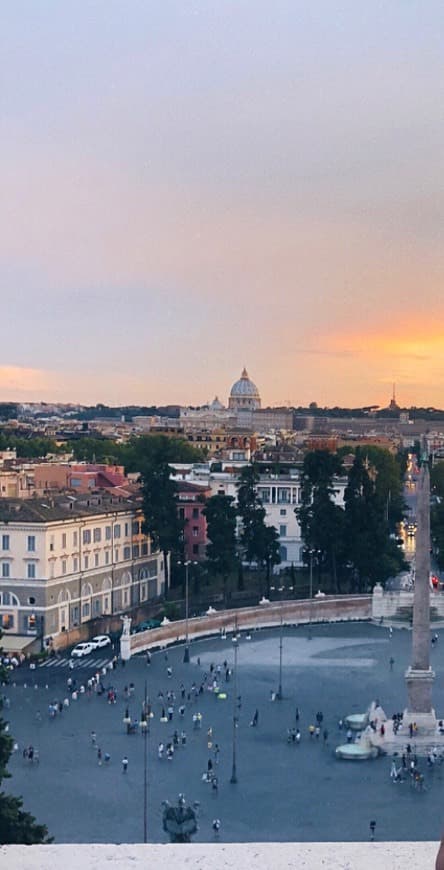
(328, 609)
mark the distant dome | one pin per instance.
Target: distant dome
(244, 394)
(216, 405)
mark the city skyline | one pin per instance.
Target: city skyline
(192, 188)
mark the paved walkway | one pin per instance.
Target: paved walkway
(284, 792)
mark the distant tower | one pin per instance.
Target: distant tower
(393, 404)
(244, 394)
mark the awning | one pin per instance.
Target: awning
(11, 643)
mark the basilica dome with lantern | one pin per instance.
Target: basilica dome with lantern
(244, 394)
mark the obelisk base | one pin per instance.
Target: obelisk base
(420, 710)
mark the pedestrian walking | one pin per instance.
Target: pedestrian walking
(391, 662)
(255, 719)
(160, 750)
(325, 735)
(372, 830)
(124, 764)
(216, 827)
(311, 730)
(99, 757)
(107, 758)
(93, 738)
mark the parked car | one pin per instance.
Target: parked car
(145, 626)
(83, 649)
(101, 640)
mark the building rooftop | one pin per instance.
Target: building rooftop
(63, 507)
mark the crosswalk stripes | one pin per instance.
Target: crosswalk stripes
(76, 663)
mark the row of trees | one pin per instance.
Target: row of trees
(355, 543)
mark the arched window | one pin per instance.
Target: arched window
(8, 599)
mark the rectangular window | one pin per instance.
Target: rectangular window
(117, 530)
(51, 543)
(143, 592)
(116, 555)
(107, 558)
(31, 571)
(5, 542)
(195, 531)
(96, 560)
(75, 564)
(283, 512)
(86, 563)
(31, 543)
(97, 535)
(127, 552)
(108, 533)
(63, 566)
(283, 496)
(195, 513)
(264, 495)
(126, 530)
(136, 528)
(182, 513)
(125, 596)
(282, 531)
(86, 537)
(144, 549)
(195, 549)
(64, 541)
(136, 551)
(85, 609)
(75, 539)
(5, 569)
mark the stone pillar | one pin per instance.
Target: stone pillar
(419, 676)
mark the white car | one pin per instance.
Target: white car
(83, 649)
(101, 640)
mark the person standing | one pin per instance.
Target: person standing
(99, 756)
(124, 764)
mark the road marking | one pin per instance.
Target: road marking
(74, 663)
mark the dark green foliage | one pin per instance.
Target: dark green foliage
(220, 514)
(161, 520)
(137, 452)
(322, 521)
(373, 555)
(258, 542)
(437, 532)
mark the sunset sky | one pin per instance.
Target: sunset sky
(191, 186)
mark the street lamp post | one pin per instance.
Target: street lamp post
(186, 564)
(144, 729)
(233, 778)
(281, 639)
(310, 617)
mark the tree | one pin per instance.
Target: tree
(16, 825)
(220, 514)
(259, 542)
(437, 530)
(437, 479)
(322, 521)
(372, 554)
(161, 519)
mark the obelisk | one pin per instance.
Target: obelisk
(419, 676)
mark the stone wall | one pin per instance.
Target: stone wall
(398, 606)
(328, 609)
(218, 856)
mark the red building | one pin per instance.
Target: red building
(191, 498)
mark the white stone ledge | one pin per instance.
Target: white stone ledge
(218, 856)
